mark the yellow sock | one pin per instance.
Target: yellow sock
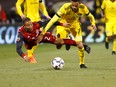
(114, 45)
(107, 39)
(31, 55)
(30, 52)
(81, 55)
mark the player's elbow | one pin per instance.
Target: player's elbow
(18, 48)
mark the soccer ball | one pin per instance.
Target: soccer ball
(57, 63)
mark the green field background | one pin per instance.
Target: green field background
(15, 72)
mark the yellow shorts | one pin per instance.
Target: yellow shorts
(75, 30)
(110, 28)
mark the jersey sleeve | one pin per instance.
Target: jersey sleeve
(50, 23)
(44, 23)
(19, 44)
(88, 14)
(18, 7)
(91, 18)
(103, 5)
(85, 10)
(61, 11)
(43, 8)
(54, 19)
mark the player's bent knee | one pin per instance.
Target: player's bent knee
(79, 45)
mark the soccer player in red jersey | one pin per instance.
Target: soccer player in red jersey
(29, 34)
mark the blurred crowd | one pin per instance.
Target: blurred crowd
(11, 16)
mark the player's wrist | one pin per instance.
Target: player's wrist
(93, 24)
(23, 56)
(61, 24)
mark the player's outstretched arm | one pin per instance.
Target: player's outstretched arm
(50, 23)
(43, 8)
(19, 10)
(39, 39)
(19, 44)
(92, 20)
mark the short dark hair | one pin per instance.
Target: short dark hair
(26, 19)
(76, 0)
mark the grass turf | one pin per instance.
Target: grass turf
(15, 72)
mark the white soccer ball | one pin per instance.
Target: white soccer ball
(57, 63)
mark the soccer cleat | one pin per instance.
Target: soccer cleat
(113, 53)
(67, 46)
(87, 48)
(83, 66)
(59, 46)
(106, 45)
(32, 60)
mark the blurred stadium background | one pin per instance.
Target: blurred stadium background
(14, 72)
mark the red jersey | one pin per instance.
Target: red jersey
(30, 37)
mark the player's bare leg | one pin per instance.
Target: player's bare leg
(69, 42)
(58, 46)
(67, 46)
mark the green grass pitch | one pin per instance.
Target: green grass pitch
(15, 72)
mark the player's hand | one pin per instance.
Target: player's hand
(94, 27)
(102, 15)
(105, 19)
(23, 17)
(26, 59)
(40, 37)
(66, 25)
(48, 17)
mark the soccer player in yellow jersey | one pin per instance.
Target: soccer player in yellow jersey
(70, 13)
(31, 9)
(109, 13)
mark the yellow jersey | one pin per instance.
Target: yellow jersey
(109, 9)
(31, 9)
(66, 14)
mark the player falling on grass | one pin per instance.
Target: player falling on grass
(31, 9)
(70, 13)
(109, 13)
(29, 32)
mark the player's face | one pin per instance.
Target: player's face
(28, 26)
(75, 6)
